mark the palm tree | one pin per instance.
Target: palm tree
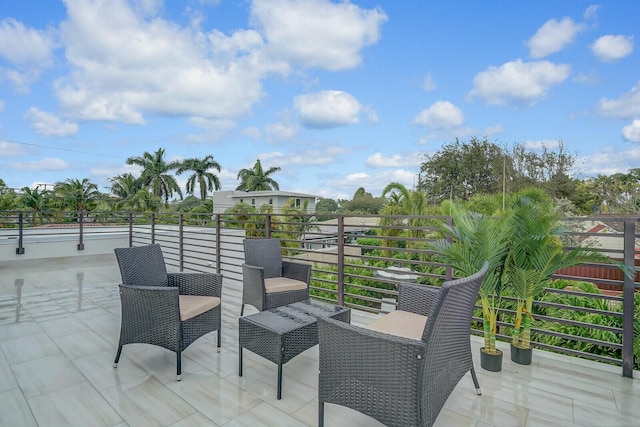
(207, 181)
(155, 174)
(405, 202)
(77, 195)
(35, 201)
(257, 179)
(124, 187)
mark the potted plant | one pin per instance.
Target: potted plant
(535, 254)
(473, 239)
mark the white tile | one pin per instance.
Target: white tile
(79, 405)
(82, 344)
(45, 375)
(147, 402)
(28, 347)
(264, 415)
(14, 410)
(99, 370)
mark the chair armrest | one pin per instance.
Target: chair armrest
(253, 276)
(416, 299)
(150, 306)
(358, 360)
(201, 284)
(297, 271)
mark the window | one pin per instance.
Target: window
(253, 202)
(298, 204)
(241, 200)
(271, 200)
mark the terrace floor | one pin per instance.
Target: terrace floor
(59, 326)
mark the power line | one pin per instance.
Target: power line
(60, 149)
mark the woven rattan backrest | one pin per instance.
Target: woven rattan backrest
(142, 266)
(264, 253)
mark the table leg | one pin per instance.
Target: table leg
(279, 381)
(240, 361)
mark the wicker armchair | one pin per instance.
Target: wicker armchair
(170, 310)
(401, 369)
(267, 280)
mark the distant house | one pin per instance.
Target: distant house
(325, 234)
(223, 200)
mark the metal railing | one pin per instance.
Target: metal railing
(359, 259)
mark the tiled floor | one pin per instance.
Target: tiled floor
(59, 325)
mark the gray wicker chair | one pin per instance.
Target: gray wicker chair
(398, 380)
(170, 310)
(268, 281)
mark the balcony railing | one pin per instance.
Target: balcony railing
(359, 259)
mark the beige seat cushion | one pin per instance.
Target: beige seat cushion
(400, 323)
(283, 284)
(193, 305)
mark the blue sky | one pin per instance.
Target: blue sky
(339, 95)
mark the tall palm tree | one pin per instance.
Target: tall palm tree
(124, 187)
(406, 202)
(257, 179)
(155, 174)
(76, 195)
(36, 202)
(207, 181)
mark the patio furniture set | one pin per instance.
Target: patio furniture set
(400, 369)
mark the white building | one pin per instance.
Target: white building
(223, 200)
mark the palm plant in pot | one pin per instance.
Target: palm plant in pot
(536, 253)
(473, 239)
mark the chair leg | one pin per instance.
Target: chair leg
(115, 362)
(320, 414)
(475, 381)
(241, 310)
(179, 360)
(219, 339)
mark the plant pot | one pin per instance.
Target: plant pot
(491, 362)
(521, 356)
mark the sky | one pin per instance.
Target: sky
(339, 95)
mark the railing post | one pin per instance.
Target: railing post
(153, 228)
(341, 260)
(181, 241)
(448, 268)
(81, 237)
(627, 295)
(267, 224)
(20, 248)
(218, 242)
(130, 229)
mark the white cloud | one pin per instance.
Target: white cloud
(518, 82)
(591, 12)
(625, 107)
(10, 149)
(49, 164)
(610, 48)
(373, 184)
(632, 132)
(252, 132)
(609, 161)
(23, 46)
(428, 84)
(377, 160)
(440, 115)
(50, 125)
(317, 33)
(314, 155)
(124, 66)
(327, 109)
(552, 37)
(278, 132)
(538, 145)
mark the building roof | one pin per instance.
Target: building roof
(239, 194)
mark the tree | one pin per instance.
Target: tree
(462, 169)
(155, 174)
(36, 202)
(206, 180)
(257, 179)
(124, 187)
(363, 202)
(76, 195)
(326, 208)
